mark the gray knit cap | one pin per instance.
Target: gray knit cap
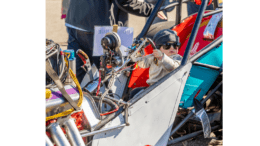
(164, 36)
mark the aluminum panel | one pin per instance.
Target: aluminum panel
(151, 117)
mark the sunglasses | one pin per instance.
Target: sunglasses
(167, 46)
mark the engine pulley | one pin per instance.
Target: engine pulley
(111, 41)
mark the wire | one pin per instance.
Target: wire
(103, 95)
(99, 81)
(114, 94)
(109, 102)
(107, 113)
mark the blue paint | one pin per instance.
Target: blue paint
(201, 77)
(71, 52)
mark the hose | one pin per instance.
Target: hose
(51, 54)
(99, 81)
(106, 91)
(109, 102)
(63, 66)
(108, 118)
(114, 94)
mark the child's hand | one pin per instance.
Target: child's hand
(158, 54)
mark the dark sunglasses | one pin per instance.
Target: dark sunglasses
(167, 46)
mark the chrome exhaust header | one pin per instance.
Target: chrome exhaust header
(48, 141)
(73, 133)
(57, 135)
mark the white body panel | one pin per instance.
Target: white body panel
(151, 118)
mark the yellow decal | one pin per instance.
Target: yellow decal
(48, 94)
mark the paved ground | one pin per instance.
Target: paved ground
(56, 30)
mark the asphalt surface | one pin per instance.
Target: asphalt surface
(56, 30)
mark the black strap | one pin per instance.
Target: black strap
(197, 105)
(59, 84)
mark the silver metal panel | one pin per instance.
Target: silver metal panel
(90, 112)
(86, 78)
(119, 85)
(102, 130)
(65, 87)
(117, 88)
(150, 117)
(164, 139)
(119, 120)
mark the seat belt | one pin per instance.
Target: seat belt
(60, 86)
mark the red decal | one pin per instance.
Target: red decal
(197, 94)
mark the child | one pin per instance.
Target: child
(168, 58)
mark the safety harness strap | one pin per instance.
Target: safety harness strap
(60, 86)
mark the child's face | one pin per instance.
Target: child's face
(171, 51)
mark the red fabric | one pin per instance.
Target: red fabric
(140, 75)
(63, 16)
(198, 2)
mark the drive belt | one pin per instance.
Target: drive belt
(60, 86)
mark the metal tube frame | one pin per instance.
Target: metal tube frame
(150, 19)
(178, 13)
(48, 141)
(188, 136)
(206, 65)
(101, 130)
(206, 49)
(212, 12)
(126, 105)
(194, 32)
(57, 135)
(73, 133)
(172, 5)
(116, 100)
(126, 114)
(215, 2)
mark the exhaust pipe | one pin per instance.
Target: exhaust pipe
(48, 141)
(73, 133)
(57, 135)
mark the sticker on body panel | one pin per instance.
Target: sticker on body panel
(194, 49)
